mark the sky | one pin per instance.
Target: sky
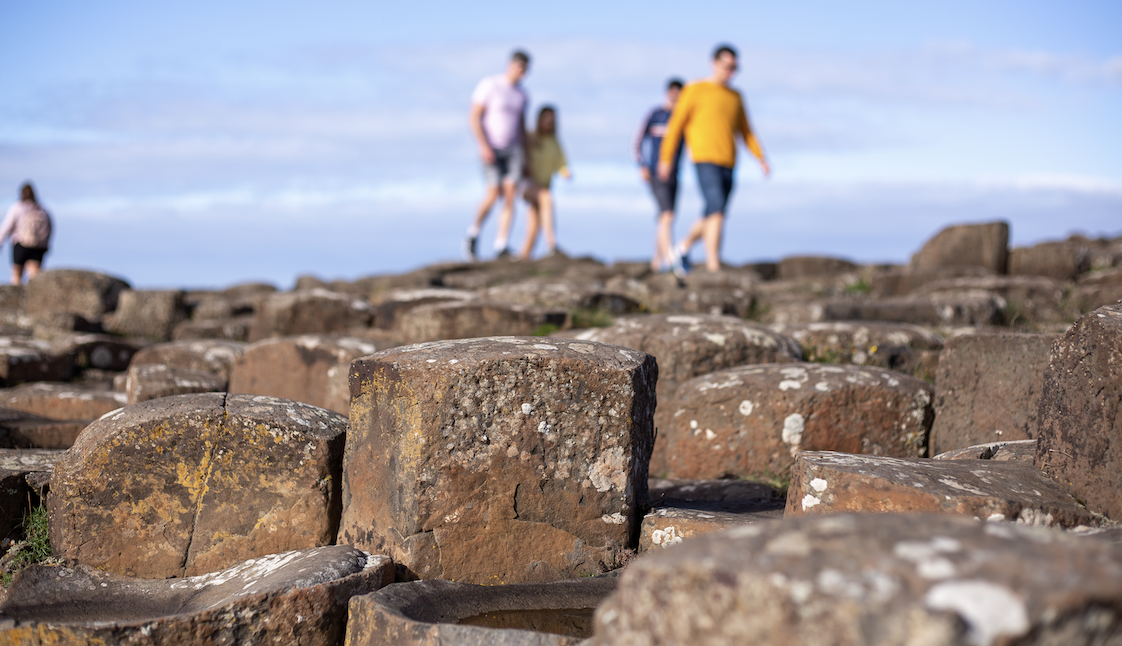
(205, 144)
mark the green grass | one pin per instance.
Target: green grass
(545, 329)
(781, 482)
(34, 548)
(860, 287)
(586, 317)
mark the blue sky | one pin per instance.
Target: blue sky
(206, 144)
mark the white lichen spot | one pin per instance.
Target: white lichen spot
(430, 361)
(822, 386)
(819, 485)
(746, 407)
(789, 384)
(527, 409)
(453, 361)
(693, 424)
(609, 471)
(793, 428)
(989, 610)
(810, 501)
(666, 537)
(710, 435)
(614, 519)
(543, 427)
(543, 346)
(718, 339)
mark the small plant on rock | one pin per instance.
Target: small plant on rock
(586, 317)
(34, 548)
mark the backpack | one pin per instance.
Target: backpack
(33, 230)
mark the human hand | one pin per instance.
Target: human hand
(767, 169)
(487, 154)
(567, 174)
(646, 173)
(664, 171)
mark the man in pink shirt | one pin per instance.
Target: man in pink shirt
(498, 121)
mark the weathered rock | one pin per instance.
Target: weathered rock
(897, 346)
(555, 294)
(1080, 416)
(1027, 299)
(23, 359)
(688, 346)
(214, 356)
(988, 389)
(500, 459)
(669, 525)
(430, 613)
(1023, 451)
(231, 329)
(212, 480)
(827, 483)
(17, 494)
(976, 307)
(750, 421)
(151, 314)
(61, 401)
(391, 305)
(671, 492)
(20, 430)
(1098, 289)
(290, 598)
(312, 369)
(870, 579)
(972, 245)
(97, 351)
(12, 297)
(901, 281)
(794, 267)
(315, 311)
(153, 381)
(71, 291)
(1058, 260)
(467, 319)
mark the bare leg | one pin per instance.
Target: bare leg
(489, 198)
(697, 230)
(32, 269)
(545, 200)
(17, 274)
(532, 224)
(713, 225)
(506, 216)
(663, 240)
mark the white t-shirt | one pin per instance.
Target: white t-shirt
(503, 104)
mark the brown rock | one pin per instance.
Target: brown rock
(291, 598)
(213, 356)
(750, 421)
(972, 245)
(12, 297)
(393, 304)
(505, 459)
(1027, 299)
(688, 346)
(20, 430)
(1080, 412)
(1098, 289)
(1023, 451)
(794, 267)
(17, 495)
(870, 579)
(97, 351)
(897, 346)
(556, 294)
(151, 314)
(988, 389)
(976, 307)
(71, 291)
(827, 483)
(23, 359)
(231, 329)
(668, 526)
(312, 369)
(468, 319)
(212, 480)
(315, 311)
(901, 281)
(157, 380)
(1063, 261)
(61, 401)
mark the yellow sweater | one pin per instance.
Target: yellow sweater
(546, 158)
(710, 115)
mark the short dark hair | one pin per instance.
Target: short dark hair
(521, 56)
(27, 194)
(724, 49)
(675, 84)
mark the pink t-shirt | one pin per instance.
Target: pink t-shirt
(503, 106)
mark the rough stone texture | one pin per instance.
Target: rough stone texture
(1098, 289)
(1063, 261)
(72, 291)
(668, 526)
(504, 459)
(551, 293)
(12, 297)
(20, 488)
(688, 346)
(827, 483)
(898, 346)
(1080, 416)
(972, 245)
(231, 329)
(212, 480)
(20, 430)
(812, 266)
(290, 598)
(434, 613)
(152, 314)
(1027, 299)
(467, 319)
(61, 401)
(315, 311)
(312, 369)
(975, 307)
(871, 579)
(725, 292)
(399, 301)
(900, 281)
(23, 359)
(214, 356)
(1023, 451)
(750, 421)
(98, 351)
(988, 389)
(153, 381)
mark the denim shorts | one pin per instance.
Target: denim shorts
(509, 164)
(716, 185)
(665, 193)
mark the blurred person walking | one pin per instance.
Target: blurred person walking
(498, 121)
(546, 158)
(30, 229)
(646, 151)
(709, 114)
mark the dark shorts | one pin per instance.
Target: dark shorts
(21, 254)
(665, 193)
(508, 166)
(716, 185)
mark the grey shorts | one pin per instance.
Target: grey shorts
(509, 164)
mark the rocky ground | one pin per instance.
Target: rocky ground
(563, 451)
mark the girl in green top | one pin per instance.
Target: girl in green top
(546, 158)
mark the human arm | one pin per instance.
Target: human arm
(9, 224)
(476, 121)
(642, 137)
(752, 142)
(562, 162)
(674, 129)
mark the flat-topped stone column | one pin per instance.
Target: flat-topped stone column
(499, 460)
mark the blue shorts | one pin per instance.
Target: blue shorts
(665, 193)
(716, 185)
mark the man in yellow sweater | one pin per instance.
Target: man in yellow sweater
(710, 114)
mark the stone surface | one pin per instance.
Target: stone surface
(974, 307)
(898, 346)
(212, 480)
(23, 359)
(555, 294)
(312, 369)
(1063, 261)
(97, 351)
(901, 281)
(826, 483)
(71, 291)
(297, 597)
(1080, 415)
(315, 311)
(1023, 451)
(870, 579)
(811, 266)
(751, 420)
(988, 389)
(21, 430)
(214, 356)
(18, 495)
(148, 313)
(668, 526)
(1098, 289)
(688, 346)
(973, 245)
(467, 319)
(231, 329)
(1027, 299)
(153, 381)
(433, 613)
(61, 401)
(503, 459)
(391, 305)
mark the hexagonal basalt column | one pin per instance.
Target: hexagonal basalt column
(502, 459)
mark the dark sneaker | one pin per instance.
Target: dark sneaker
(679, 264)
(557, 253)
(469, 249)
(505, 254)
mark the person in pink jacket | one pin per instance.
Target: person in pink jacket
(29, 226)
